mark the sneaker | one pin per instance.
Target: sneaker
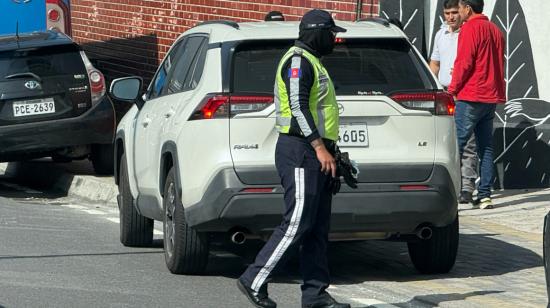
(484, 203)
(465, 197)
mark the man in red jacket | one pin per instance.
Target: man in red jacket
(478, 85)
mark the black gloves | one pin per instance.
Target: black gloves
(334, 185)
(345, 169)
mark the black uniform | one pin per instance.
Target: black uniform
(307, 197)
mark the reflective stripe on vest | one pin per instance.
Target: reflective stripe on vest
(322, 98)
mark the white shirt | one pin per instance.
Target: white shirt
(445, 43)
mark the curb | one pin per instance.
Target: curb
(60, 178)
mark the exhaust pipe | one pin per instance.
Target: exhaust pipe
(424, 233)
(238, 238)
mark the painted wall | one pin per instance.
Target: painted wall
(522, 125)
(130, 37)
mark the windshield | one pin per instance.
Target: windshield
(43, 62)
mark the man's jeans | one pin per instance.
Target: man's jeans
(470, 164)
(477, 118)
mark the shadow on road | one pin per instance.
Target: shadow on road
(433, 300)
(479, 255)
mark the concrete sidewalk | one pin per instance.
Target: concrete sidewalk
(522, 210)
(75, 179)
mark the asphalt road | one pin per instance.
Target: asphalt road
(58, 256)
(61, 252)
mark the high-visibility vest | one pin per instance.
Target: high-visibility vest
(322, 98)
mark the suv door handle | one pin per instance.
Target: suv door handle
(146, 122)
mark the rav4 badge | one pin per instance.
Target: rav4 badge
(246, 146)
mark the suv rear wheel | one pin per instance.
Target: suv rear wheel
(102, 158)
(135, 229)
(437, 254)
(185, 250)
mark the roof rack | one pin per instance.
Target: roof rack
(230, 23)
(378, 20)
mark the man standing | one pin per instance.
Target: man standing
(478, 84)
(307, 121)
(441, 63)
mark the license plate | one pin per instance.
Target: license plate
(353, 135)
(33, 107)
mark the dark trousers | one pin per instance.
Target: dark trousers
(306, 222)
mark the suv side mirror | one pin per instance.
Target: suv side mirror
(127, 89)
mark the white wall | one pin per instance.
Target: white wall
(537, 15)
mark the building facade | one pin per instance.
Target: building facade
(130, 37)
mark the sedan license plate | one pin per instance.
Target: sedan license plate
(353, 135)
(33, 107)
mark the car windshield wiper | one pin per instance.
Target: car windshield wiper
(20, 75)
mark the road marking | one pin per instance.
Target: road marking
(75, 207)
(117, 221)
(94, 212)
(371, 302)
(113, 219)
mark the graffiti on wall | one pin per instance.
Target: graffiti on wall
(522, 125)
(522, 144)
(411, 16)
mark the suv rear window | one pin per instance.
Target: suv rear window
(357, 67)
(44, 61)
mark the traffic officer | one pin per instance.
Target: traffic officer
(307, 121)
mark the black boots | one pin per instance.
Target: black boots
(258, 299)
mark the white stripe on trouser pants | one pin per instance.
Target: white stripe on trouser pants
(289, 234)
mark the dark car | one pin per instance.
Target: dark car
(53, 102)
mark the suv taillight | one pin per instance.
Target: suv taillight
(438, 103)
(215, 106)
(58, 16)
(97, 81)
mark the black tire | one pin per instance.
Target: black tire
(185, 250)
(102, 157)
(436, 255)
(135, 230)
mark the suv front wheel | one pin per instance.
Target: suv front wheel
(437, 254)
(135, 229)
(185, 250)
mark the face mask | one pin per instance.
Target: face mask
(320, 40)
(327, 42)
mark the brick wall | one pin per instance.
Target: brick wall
(132, 36)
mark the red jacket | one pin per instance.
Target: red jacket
(478, 72)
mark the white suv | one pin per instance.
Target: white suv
(197, 150)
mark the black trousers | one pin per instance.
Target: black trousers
(306, 221)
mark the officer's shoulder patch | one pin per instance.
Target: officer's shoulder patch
(294, 73)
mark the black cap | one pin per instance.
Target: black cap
(319, 19)
(274, 16)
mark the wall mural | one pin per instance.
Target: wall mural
(522, 125)
(522, 154)
(411, 15)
